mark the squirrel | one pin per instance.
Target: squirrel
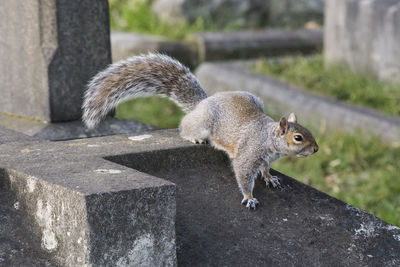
(234, 122)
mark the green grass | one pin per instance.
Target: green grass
(341, 83)
(156, 111)
(137, 16)
(356, 168)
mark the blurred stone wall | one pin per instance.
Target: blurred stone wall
(364, 35)
(241, 14)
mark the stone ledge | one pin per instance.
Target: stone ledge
(10, 136)
(282, 98)
(86, 210)
(251, 44)
(125, 45)
(218, 46)
(104, 193)
(71, 129)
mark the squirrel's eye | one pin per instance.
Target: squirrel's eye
(298, 138)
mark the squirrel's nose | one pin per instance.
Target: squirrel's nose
(315, 148)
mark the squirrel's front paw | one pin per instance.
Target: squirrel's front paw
(272, 181)
(250, 203)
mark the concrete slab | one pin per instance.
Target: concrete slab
(282, 98)
(71, 129)
(105, 201)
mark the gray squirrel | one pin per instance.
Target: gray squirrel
(234, 122)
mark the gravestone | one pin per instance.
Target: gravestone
(48, 52)
(364, 35)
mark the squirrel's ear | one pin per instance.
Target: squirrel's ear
(292, 118)
(283, 126)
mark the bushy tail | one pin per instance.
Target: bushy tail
(140, 76)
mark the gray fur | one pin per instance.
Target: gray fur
(140, 76)
(230, 121)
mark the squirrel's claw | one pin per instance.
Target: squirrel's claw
(201, 141)
(250, 203)
(272, 181)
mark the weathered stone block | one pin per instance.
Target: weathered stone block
(49, 51)
(84, 210)
(17, 246)
(364, 35)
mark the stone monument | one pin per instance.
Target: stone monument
(364, 35)
(49, 51)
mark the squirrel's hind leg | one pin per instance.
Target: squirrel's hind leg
(196, 127)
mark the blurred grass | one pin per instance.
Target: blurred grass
(156, 111)
(137, 16)
(341, 83)
(356, 168)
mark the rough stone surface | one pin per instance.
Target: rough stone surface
(247, 44)
(83, 209)
(281, 98)
(294, 226)
(15, 238)
(10, 136)
(364, 35)
(49, 51)
(72, 129)
(125, 45)
(100, 203)
(224, 13)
